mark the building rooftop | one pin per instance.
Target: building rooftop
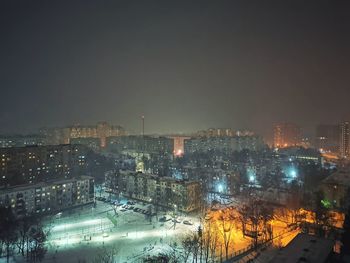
(341, 177)
(305, 248)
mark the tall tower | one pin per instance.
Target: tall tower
(140, 165)
(345, 139)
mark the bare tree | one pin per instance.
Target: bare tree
(226, 222)
(37, 239)
(24, 226)
(8, 234)
(255, 217)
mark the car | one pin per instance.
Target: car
(58, 215)
(144, 212)
(187, 222)
(130, 207)
(136, 209)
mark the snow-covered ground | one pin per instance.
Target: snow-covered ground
(85, 232)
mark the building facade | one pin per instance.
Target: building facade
(286, 135)
(165, 192)
(48, 197)
(223, 144)
(33, 164)
(147, 144)
(335, 188)
(21, 140)
(179, 144)
(328, 138)
(101, 130)
(344, 149)
(90, 142)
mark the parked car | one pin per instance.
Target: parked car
(187, 222)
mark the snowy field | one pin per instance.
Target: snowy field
(82, 234)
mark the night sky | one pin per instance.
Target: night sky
(185, 65)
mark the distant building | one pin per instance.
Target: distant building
(33, 164)
(92, 143)
(344, 149)
(216, 132)
(223, 144)
(167, 192)
(179, 144)
(147, 144)
(306, 248)
(287, 134)
(48, 197)
(7, 141)
(302, 155)
(102, 131)
(327, 138)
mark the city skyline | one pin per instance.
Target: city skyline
(185, 67)
(174, 131)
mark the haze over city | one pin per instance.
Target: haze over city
(174, 131)
(184, 65)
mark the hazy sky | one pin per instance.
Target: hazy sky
(185, 65)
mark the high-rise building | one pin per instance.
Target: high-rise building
(223, 144)
(179, 142)
(33, 164)
(344, 148)
(287, 134)
(327, 137)
(147, 144)
(102, 131)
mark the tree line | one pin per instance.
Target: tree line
(24, 236)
